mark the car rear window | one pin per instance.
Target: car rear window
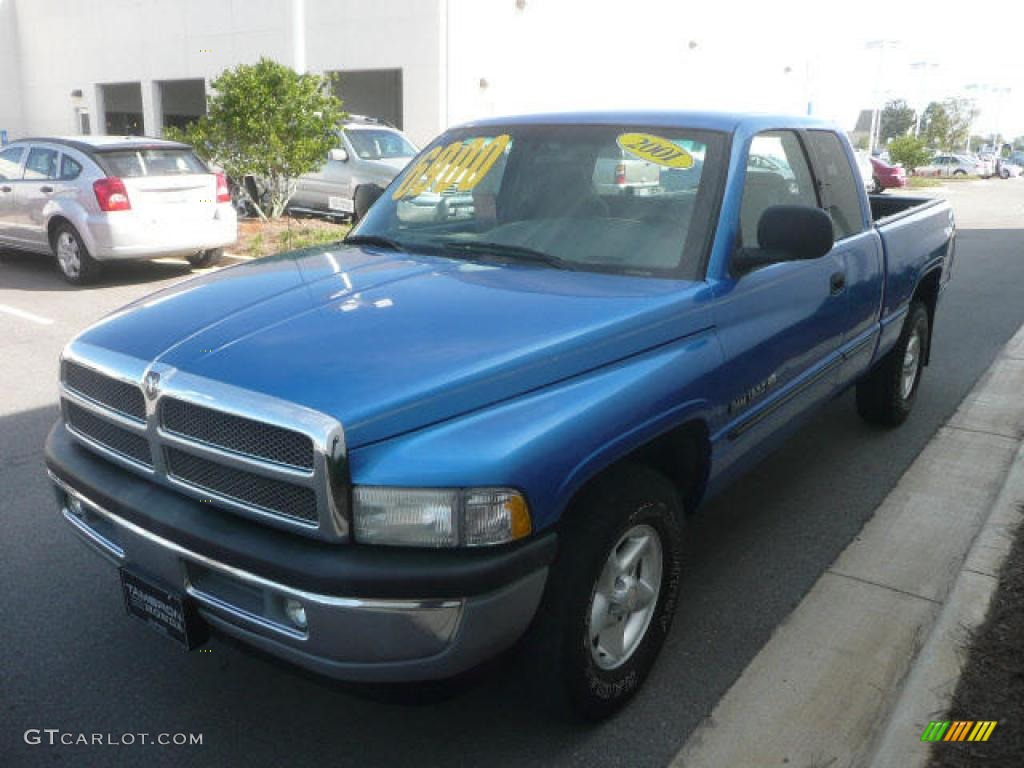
(153, 162)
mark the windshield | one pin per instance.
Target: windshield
(623, 199)
(379, 144)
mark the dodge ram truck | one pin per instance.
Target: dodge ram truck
(392, 458)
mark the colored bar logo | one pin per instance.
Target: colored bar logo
(959, 730)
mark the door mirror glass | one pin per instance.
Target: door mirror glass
(787, 233)
(340, 155)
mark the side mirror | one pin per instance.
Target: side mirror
(787, 233)
(340, 154)
(365, 197)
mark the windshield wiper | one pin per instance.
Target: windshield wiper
(516, 252)
(377, 240)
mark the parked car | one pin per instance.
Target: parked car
(368, 156)
(391, 458)
(865, 170)
(617, 171)
(885, 176)
(93, 199)
(988, 163)
(953, 165)
(1005, 169)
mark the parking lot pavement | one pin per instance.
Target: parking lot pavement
(73, 661)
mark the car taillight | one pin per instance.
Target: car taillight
(223, 193)
(620, 173)
(111, 194)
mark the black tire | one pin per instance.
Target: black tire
(206, 258)
(1004, 174)
(876, 188)
(559, 646)
(882, 395)
(959, 173)
(75, 262)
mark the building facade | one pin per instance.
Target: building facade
(136, 66)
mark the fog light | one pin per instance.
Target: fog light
(295, 612)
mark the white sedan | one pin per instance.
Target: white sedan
(91, 199)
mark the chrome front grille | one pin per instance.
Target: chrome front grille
(274, 496)
(237, 450)
(114, 394)
(118, 439)
(233, 433)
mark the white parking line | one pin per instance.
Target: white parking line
(25, 315)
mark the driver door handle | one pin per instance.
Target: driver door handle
(837, 283)
(46, 190)
(6, 189)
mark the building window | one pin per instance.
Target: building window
(122, 109)
(182, 102)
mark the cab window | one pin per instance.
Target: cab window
(777, 174)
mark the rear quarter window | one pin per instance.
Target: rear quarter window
(153, 162)
(842, 189)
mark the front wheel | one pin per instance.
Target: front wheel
(959, 173)
(886, 394)
(75, 262)
(611, 593)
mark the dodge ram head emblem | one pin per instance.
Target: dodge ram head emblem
(151, 384)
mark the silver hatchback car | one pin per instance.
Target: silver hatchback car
(91, 199)
(369, 155)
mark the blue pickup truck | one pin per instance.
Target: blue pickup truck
(486, 414)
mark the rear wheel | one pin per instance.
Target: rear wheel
(206, 258)
(886, 394)
(73, 258)
(960, 173)
(611, 593)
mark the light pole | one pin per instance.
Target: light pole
(876, 114)
(923, 67)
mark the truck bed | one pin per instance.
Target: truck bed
(916, 236)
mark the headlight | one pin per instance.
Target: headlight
(438, 517)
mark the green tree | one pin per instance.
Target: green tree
(947, 124)
(267, 121)
(897, 119)
(910, 151)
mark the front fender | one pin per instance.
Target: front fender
(550, 442)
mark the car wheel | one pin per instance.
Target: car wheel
(75, 262)
(876, 186)
(959, 173)
(611, 593)
(206, 258)
(886, 394)
(1004, 174)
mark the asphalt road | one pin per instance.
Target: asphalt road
(73, 661)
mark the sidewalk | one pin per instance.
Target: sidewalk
(873, 652)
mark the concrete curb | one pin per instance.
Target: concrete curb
(864, 657)
(929, 687)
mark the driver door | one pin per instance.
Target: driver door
(780, 326)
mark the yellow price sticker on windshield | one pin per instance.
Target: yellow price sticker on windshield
(461, 164)
(655, 149)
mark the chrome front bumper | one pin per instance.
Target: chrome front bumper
(347, 638)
